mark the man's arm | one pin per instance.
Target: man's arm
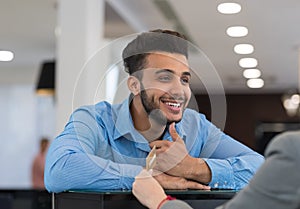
(223, 161)
(69, 169)
(73, 163)
(276, 184)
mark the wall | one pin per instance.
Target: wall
(245, 112)
(25, 118)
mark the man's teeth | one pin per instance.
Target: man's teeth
(173, 104)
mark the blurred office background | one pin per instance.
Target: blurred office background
(251, 105)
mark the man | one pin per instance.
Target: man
(276, 185)
(104, 146)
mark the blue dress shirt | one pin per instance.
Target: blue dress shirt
(100, 149)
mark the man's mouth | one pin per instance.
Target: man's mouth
(173, 104)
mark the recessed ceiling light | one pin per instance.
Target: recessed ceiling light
(229, 8)
(255, 83)
(251, 73)
(6, 56)
(243, 48)
(237, 31)
(248, 62)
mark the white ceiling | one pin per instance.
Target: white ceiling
(27, 28)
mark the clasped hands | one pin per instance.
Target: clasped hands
(175, 168)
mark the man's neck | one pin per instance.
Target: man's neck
(148, 127)
(154, 132)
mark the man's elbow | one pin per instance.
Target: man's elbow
(54, 182)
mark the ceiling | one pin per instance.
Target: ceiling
(27, 28)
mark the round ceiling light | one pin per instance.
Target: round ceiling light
(6, 56)
(229, 8)
(255, 83)
(243, 48)
(251, 73)
(248, 62)
(237, 31)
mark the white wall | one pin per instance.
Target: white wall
(24, 118)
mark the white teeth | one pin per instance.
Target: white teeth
(173, 104)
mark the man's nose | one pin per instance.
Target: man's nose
(177, 88)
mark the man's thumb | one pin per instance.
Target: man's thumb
(173, 132)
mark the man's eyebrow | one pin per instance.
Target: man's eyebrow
(187, 73)
(171, 71)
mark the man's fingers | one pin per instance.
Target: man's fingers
(161, 145)
(144, 174)
(175, 136)
(195, 185)
(173, 131)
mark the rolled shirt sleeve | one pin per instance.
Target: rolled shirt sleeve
(232, 164)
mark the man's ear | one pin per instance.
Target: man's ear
(134, 85)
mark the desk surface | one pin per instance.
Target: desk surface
(186, 194)
(118, 198)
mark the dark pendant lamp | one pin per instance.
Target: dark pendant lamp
(46, 82)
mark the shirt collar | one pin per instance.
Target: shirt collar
(123, 120)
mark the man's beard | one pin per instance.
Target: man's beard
(153, 110)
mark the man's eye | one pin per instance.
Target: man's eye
(164, 78)
(185, 80)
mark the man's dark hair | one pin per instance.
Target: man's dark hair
(134, 54)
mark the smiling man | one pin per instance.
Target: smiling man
(104, 146)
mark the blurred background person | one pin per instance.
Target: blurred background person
(38, 165)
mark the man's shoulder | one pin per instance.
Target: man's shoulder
(287, 142)
(288, 137)
(99, 109)
(103, 105)
(191, 113)
(100, 106)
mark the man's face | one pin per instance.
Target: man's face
(165, 86)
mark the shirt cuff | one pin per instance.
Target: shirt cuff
(128, 173)
(222, 174)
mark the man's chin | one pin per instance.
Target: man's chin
(174, 120)
(162, 120)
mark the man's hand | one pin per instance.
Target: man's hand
(173, 182)
(173, 159)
